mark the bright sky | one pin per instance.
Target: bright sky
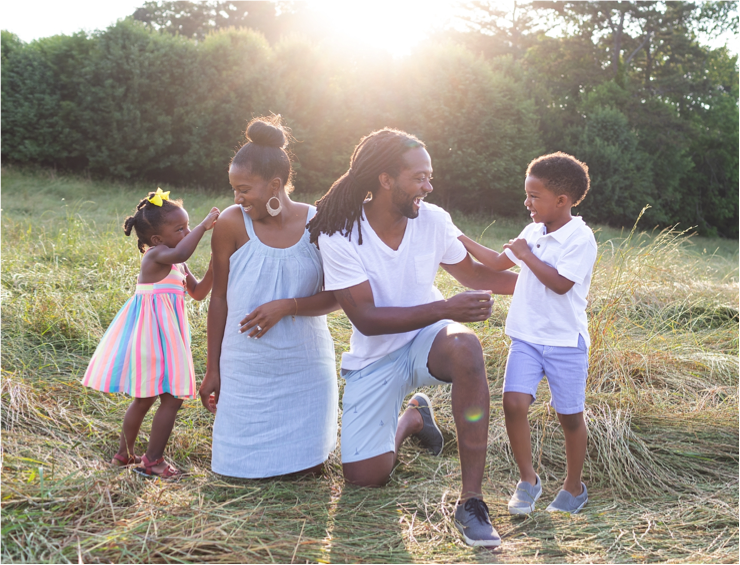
(42, 18)
(367, 20)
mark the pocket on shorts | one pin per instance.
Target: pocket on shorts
(426, 269)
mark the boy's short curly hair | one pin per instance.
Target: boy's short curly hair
(563, 174)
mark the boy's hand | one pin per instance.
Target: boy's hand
(211, 218)
(519, 248)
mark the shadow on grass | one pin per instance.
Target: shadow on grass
(366, 528)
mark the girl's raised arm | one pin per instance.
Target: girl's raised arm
(183, 251)
(199, 289)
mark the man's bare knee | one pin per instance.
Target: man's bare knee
(456, 351)
(373, 472)
(463, 346)
(360, 480)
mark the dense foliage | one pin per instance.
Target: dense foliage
(625, 86)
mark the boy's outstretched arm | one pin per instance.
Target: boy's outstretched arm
(496, 261)
(546, 274)
(199, 289)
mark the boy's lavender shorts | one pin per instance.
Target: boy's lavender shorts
(566, 369)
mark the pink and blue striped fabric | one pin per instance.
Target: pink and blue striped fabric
(146, 350)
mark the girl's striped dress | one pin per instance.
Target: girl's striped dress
(146, 350)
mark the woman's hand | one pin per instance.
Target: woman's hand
(262, 318)
(210, 389)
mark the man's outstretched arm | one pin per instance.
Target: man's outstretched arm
(477, 276)
(359, 305)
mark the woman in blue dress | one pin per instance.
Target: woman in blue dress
(271, 373)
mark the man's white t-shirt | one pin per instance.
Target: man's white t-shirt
(398, 278)
(540, 315)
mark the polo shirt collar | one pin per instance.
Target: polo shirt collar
(567, 230)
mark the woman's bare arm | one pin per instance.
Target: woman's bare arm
(270, 313)
(223, 245)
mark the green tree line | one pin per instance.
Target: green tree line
(627, 87)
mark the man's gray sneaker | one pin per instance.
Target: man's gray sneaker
(472, 519)
(524, 497)
(566, 502)
(430, 437)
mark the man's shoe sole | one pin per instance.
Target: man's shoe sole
(478, 542)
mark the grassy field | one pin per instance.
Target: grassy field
(662, 411)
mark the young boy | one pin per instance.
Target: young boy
(547, 321)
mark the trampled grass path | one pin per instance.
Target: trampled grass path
(662, 402)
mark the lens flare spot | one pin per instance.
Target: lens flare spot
(473, 414)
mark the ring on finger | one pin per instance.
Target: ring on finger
(259, 329)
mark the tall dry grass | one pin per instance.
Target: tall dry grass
(662, 411)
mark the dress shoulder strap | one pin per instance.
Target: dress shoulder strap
(248, 224)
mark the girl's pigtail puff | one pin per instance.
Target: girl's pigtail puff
(147, 219)
(136, 222)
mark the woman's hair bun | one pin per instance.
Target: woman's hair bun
(267, 133)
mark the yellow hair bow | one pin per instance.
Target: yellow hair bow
(159, 196)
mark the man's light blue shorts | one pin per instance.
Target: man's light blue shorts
(374, 394)
(566, 369)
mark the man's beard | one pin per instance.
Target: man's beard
(404, 203)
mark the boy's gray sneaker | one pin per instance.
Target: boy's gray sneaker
(524, 497)
(430, 436)
(472, 519)
(566, 502)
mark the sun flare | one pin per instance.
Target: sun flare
(395, 27)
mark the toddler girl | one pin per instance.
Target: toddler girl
(146, 350)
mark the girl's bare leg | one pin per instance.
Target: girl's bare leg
(162, 424)
(131, 425)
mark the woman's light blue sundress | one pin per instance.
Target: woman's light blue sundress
(277, 409)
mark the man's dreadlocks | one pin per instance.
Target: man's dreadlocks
(379, 152)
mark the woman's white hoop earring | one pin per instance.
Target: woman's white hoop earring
(274, 211)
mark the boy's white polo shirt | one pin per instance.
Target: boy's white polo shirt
(539, 315)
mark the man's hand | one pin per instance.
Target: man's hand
(469, 306)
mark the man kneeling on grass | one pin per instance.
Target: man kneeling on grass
(381, 267)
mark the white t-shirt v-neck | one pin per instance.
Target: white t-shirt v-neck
(399, 278)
